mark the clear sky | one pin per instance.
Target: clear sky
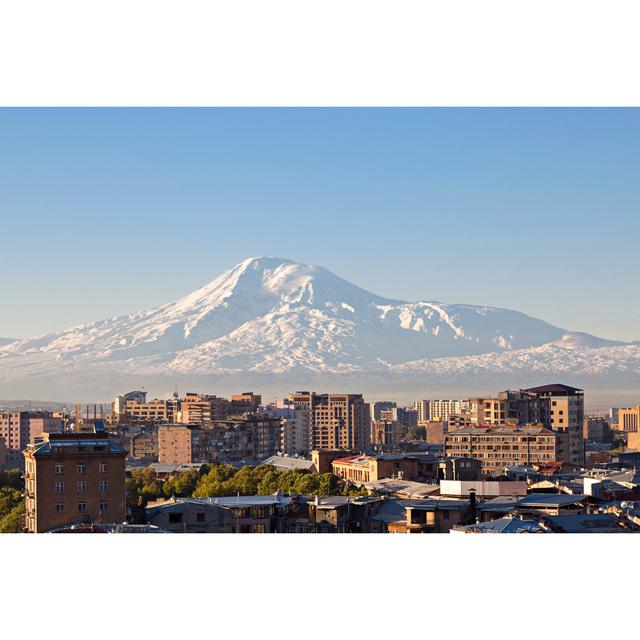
(104, 212)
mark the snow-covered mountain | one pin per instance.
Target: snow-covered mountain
(269, 318)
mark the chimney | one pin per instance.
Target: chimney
(472, 505)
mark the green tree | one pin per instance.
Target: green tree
(13, 521)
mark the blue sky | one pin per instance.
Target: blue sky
(104, 212)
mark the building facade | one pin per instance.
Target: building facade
(73, 477)
(500, 447)
(18, 429)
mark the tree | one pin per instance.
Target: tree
(13, 522)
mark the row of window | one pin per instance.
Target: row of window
(82, 507)
(81, 486)
(81, 468)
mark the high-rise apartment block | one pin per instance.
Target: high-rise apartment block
(562, 410)
(72, 478)
(336, 420)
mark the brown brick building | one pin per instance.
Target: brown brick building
(73, 477)
(500, 447)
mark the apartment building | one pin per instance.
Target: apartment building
(386, 433)
(562, 409)
(248, 438)
(295, 434)
(508, 407)
(151, 412)
(500, 447)
(595, 428)
(144, 446)
(18, 429)
(245, 402)
(196, 408)
(438, 410)
(335, 420)
(73, 477)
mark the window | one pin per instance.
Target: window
(199, 517)
(82, 507)
(81, 486)
(104, 506)
(59, 508)
(103, 467)
(81, 468)
(175, 518)
(59, 469)
(59, 487)
(104, 485)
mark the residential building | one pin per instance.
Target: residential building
(335, 420)
(144, 446)
(295, 434)
(500, 447)
(385, 433)
(235, 514)
(151, 412)
(245, 402)
(73, 477)
(197, 408)
(562, 410)
(595, 428)
(20, 428)
(247, 438)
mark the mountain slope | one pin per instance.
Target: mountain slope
(269, 316)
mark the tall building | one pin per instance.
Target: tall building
(295, 434)
(20, 428)
(341, 421)
(562, 409)
(73, 477)
(335, 420)
(508, 407)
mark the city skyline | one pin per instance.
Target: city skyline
(454, 205)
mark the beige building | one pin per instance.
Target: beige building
(629, 418)
(562, 410)
(20, 428)
(359, 469)
(500, 447)
(335, 420)
(73, 477)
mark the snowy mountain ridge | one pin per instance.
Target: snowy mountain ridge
(271, 316)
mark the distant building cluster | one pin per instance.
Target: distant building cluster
(520, 461)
